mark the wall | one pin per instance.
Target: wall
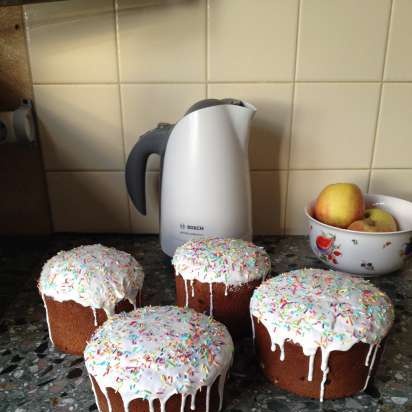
(24, 207)
(331, 80)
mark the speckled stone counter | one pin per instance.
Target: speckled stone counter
(36, 377)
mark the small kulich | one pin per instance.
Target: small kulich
(81, 288)
(217, 276)
(159, 359)
(320, 333)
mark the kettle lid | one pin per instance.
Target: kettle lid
(202, 104)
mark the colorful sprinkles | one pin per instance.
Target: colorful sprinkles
(92, 275)
(323, 309)
(156, 352)
(229, 261)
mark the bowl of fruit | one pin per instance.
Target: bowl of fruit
(363, 234)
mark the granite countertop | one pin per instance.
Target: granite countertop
(36, 377)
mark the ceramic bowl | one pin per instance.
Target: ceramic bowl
(364, 253)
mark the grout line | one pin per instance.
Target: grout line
(119, 89)
(294, 169)
(39, 83)
(27, 43)
(207, 49)
(251, 170)
(84, 171)
(285, 208)
(379, 108)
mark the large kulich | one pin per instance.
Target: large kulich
(320, 333)
(84, 286)
(159, 359)
(217, 276)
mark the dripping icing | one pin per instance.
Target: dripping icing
(310, 370)
(186, 293)
(325, 370)
(95, 317)
(369, 354)
(182, 402)
(294, 296)
(94, 391)
(211, 299)
(47, 319)
(371, 366)
(159, 322)
(94, 276)
(193, 401)
(193, 290)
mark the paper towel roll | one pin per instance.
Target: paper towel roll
(18, 126)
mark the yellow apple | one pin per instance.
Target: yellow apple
(375, 220)
(339, 204)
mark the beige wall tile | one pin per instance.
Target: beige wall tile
(392, 183)
(269, 142)
(399, 54)
(304, 186)
(249, 42)
(88, 201)
(72, 41)
(342, 40)
(333, 125)
(162, 40)
(268, 201)
(80, 126)
(146, 105)
(393, 146)
(150, 222)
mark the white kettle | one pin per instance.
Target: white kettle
(205, 179)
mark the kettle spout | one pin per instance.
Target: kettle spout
(241, 119)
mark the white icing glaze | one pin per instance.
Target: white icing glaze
(157, 352)
(322, 384)
(377, 345)
(47, 319)
(369, 354)
(92, 275)
(310, 370)
(211, 298)
(232, 262)
(216, 260)
(94, 391)
(323, 309)
(186, 293)
(193, 289)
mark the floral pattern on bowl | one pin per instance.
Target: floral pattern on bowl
(329, 251)
(364, 253)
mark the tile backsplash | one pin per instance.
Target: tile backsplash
(331, 80)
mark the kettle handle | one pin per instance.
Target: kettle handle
(153, 141)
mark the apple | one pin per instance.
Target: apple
(339, 204)
(375, 220)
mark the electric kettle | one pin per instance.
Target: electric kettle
(205, 179)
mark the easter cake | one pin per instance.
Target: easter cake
(320, 333)
(217, 276)
(159, 359)
(84, 286)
